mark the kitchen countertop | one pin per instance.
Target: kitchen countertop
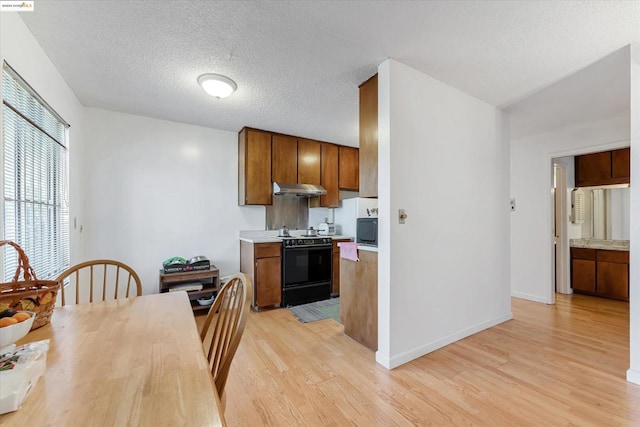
(271, 236)
(614, 245)
(365, 248)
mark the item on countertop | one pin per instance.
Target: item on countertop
(20, 369)
(30, 293)
(326, 229)
(284, 231)
(310, 232)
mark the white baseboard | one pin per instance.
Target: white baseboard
(530, 297)
(633, 376)
(400, 359)
(383, 360)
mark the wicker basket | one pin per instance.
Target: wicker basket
(30, 293)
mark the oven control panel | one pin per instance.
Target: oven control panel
(316, 241)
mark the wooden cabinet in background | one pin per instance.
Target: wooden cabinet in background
(612, 274)
(359, 298)
(600, 272)
(603, 168)
(254, 168)
(210, 280)
(583, 269)
(262, 263)
(621, 165)
(329, 175)
(308, 162)
(348, 169)
(335, 285)
(284, 159)
(369, 138)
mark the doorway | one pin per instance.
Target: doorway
(560, 233)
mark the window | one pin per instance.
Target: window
(35, 210)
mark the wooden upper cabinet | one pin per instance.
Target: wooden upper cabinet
(621, 165)
(348, 169)
(593, 169)
(308, 162)
(329, 176)
(604, 168)
(284, 157)
(254, 168)
(369, 138)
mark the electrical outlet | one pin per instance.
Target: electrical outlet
(402, 216)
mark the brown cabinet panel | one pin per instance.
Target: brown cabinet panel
(359, 298)
(308, 162)
(349, 170)
(613, 280)
(254, 168)
(583, 275)
(583, 253)
(329, 176)
(613, 256)
(265, 273)
(335, 285)
(268, 282)
(284, 159)
(593, 169)
(369, 138)
(621, 165)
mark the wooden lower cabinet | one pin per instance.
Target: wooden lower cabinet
(359, 298)
(262, 262)
(600, 272)
(335, 285)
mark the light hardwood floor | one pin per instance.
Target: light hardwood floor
(551, 365)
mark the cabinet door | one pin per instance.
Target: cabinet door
(329, 176)
(308, 162)
(335, 286)
(593, 169)
(613, 280)
(284, 159)
(268, 286)
(254, 168)
(621, 166)
(348, 173)
(369, 138)
(583, 275)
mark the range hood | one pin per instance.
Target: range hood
(298, 190)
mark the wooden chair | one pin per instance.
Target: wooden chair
(224, 325)
(80, 278)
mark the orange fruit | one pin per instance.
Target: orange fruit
(7, 321)
(21, 316)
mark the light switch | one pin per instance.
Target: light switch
(402, 216)
(512, 205)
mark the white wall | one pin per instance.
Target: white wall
(444, 274)
(157, 189)
(531, 183)
(633, 374)
(21, 50)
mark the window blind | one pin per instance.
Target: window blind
(35, 190)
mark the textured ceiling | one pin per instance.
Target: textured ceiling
(298, 64)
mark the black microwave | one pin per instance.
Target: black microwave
(367, 231)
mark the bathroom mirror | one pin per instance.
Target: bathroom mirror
(607, 213)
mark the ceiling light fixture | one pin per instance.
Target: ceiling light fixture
(217, 85)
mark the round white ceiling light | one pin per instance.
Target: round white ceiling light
(217, 85)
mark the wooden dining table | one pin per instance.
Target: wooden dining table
(136, 361)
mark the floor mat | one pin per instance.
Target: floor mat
(319, 310)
